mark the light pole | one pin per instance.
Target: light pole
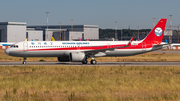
(178, 34)
(138, 32)
(72, 25)
(47, 25)
(60, 31)
(121, 33)
(170, 35)
(116, 31)
(154, 21)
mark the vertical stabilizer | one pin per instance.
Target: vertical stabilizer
(156, 34)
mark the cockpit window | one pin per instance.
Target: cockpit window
(14, 46)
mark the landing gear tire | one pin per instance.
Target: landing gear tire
(85, 62)
(24, 62)
(93, 62)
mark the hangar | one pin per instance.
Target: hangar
(12, 31)
(19, 31)
(69, 32)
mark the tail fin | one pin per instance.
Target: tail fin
(53, 39)
(156, 34)
(166, 41)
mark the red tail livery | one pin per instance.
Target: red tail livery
(157, 33)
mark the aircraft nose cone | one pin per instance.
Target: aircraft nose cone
(7, 51)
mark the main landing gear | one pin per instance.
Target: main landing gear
(85, 62)
(93, 61)
(24, 62)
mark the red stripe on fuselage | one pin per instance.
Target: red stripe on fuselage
(139, 46)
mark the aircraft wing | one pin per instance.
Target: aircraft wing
(160, 46)
(175, 44)
(7, 44)
(90, 52)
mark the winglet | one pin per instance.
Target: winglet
(129, 43)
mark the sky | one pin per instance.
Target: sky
(104, 13)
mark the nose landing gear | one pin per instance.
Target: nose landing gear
(24, 62)
(85, 62)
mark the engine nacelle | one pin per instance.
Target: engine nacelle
(77, 56)
(73, 57)
(63, 59)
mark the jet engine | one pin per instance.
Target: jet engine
(63, 59)
(73, 57)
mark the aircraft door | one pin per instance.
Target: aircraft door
(78, 46)
(108, 45)
(143, 46)
(25, 46)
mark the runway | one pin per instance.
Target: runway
(98, 64)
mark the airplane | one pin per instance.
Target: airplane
(80, 51)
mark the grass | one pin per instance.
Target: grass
(73, 83)
(151, 56)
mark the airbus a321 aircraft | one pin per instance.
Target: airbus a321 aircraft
(80, 51)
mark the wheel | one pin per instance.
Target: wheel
(93, 62)
(85, 62)
(24, 62)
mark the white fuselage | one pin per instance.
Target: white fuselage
(61, 48)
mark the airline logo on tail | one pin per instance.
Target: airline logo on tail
(158, 31)
(156, 34)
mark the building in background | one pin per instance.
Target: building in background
(18, 31)
(34, 35)
(66, 33)
(12, 31)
